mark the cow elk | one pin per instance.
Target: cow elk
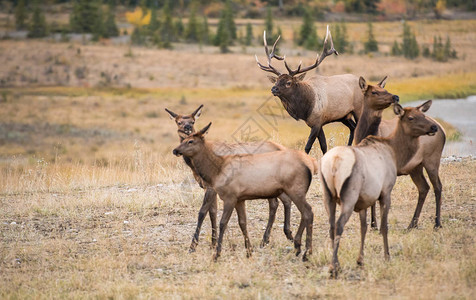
(286, 174)
(356, 177)
(185, 128)
(318, 100)
(427, 156)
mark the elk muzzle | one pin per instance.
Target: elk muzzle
(177, 152)
(188, 129)
(275, 91)
(433, 130)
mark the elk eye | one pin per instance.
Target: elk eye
(374, 93)
(180, 123)
(288, 83)
(190, 142)
(192, 123)
(410, 118)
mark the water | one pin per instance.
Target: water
(461, 113)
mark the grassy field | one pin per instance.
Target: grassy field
(93, 203)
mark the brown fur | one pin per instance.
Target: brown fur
(374, 164)
(209, 204)
(428, 155)
(237, 178)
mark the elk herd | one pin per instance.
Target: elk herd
(356, 176)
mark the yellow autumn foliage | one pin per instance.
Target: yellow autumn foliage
(138, 18)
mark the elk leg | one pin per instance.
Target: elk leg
(330, 206)
(227, 211)
(273, 207)
(287, 218)
(419, 180)
(213, 218)
(241, 211)
(373, 217)
(384, 208)
(437, 187)
(322, 141)
(312, 138)
(208, 199)
(351, 125)
(363, 231)
(343, 218)
(307, 217)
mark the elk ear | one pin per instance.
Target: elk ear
(425, 106)
(398, 110)
(198, 112)
(363, 84)
(301, 77)
(172, 115)
(273, 79)
(205, 129)
(383, 82)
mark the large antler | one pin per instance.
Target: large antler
(269, 56)
(319, 58)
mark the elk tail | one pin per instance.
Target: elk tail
(336, 168)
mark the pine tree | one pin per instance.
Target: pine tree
(154, 23)
(192, 32)
(179, 29)
(20, 15)
(268, 26)
(396, 51)
(167, 30)
(38, 26)
(99, 28)
(371, 44)
(110, 27)
(226, 32)
(249, 34)
(340, 40)
(204, 32)
(409, 46)
(307, 30)
(84, 16)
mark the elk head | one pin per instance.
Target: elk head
(192, 144)
(375, 96)
(285, 83)
(185, 123)
(413, 120)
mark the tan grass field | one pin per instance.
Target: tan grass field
(94, 205)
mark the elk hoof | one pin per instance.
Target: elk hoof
(263, 243)
(215, 257)
(289, 235)
(333, 272)
(305, 255)
(437, 225)
(191, 250)
(360, 261)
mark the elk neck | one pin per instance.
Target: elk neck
(404, 146)
(207, 164)
(300, 103)
(368, 124)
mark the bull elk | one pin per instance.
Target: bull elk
(356, 177)
(286, 174)
(428, 155)
(185, 127)
(318, 100)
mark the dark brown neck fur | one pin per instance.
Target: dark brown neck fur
(300, 104)
(207, 164)
(405, 146)
(368, 125)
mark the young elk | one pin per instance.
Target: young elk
(286, 174)
(185, 125)
(428, 155)
(318, 100)
(356, 177)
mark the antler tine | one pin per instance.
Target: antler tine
(319, 58)
(269, 56)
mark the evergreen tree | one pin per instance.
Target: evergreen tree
(307, 30)
(85, 15)
(138, 37)
(396, 51)
(448, 50)
(249, 34)
(179, 29)
(371, 44)
(268, 26)
(340, 40)
(98, 28)
(167, 30)
(226, 32)
(38, 26)
(154, 24)
(204, 32)
(409, 46)
(20, 15)
(110, 27)
(425, 51)
(192, 32)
